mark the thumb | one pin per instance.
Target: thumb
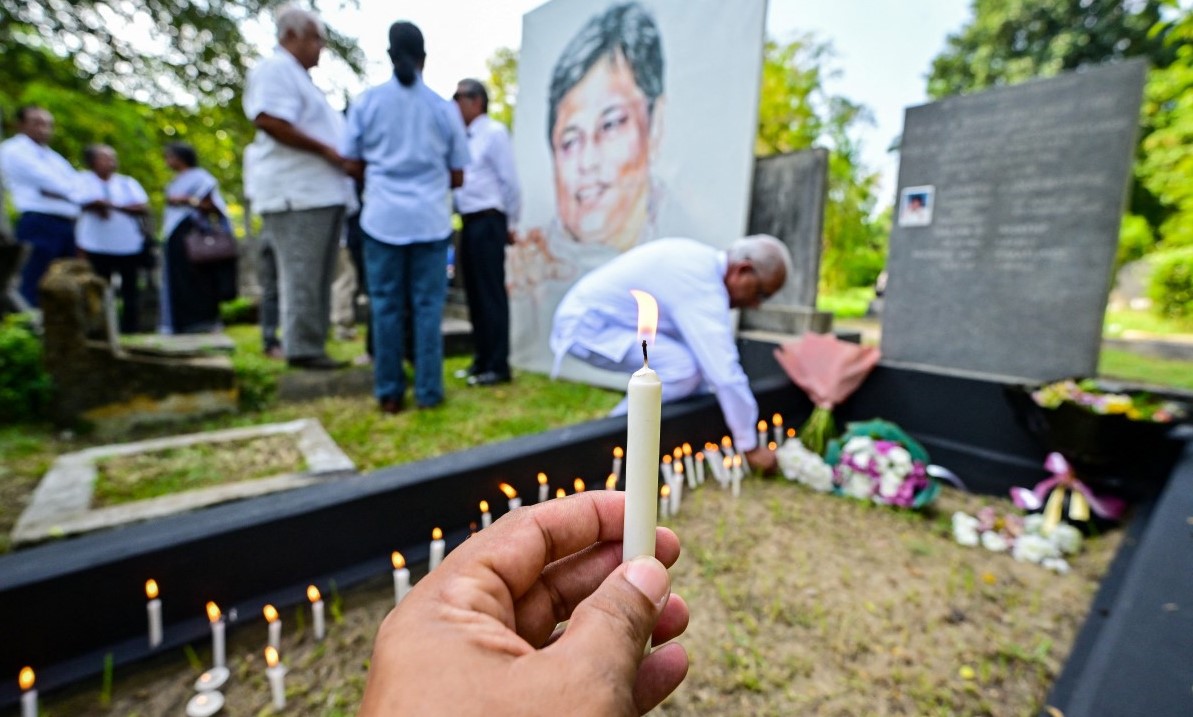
(608, 631)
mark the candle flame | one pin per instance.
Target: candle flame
(508, 490)
(398, 560)
(678, 453)
(617, 452)
(665, 491)
(710, 447)
(737, 460)
(648, 315)
(560, 492)
(313, 594)
(611, 482)
(772, 445)
(726, 442)
(151, 589)
(578, 485)
(687, 449)
(271, 656)
(727, 462)
(679, 468)
(542, 479)
(699, 456)
(271, 613)
(762, 425)
(791, 433)
(484, 506)
(26, 678)
(667, 459)
(776, 420)
(436, 534)
(213, 612)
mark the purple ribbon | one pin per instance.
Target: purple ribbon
(1062, 475)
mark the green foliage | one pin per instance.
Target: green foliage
(241, 310)
(1135, 238)
(24, 385)
(1171, 286)
(503, 85)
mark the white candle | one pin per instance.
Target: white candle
(726, 471)
(153, 609)
(275, 626)
(205, 704)
(276, 673)
(644, 417)
(777, 422)
(486, 516)
(544, 489)
(676, 493)
(737, 474)
(316, 611)
(689, 466)
(217, 635)
(665, 502)
(28, 694)
(665, 468)
(401, 577)
(618, 455)
(514, 501)
(699, 468)
(761, 433)
(437, 549)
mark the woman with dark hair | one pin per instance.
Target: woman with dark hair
(191, 292)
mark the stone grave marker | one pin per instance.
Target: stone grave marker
(1004, 238)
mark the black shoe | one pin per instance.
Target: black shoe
(489, 378)
(391, 405)
(316, 363)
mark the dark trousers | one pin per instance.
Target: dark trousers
(356, 250)
(482, 263)
(128, 267)
(50, 237)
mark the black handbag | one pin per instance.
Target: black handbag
(209, 242)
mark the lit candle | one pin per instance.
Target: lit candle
(645, 398)
(276, 672)
(153, 609)
(677, 488)
(275, 626)
(727, 446)
(611, 482)
(772, 446)
(618, 454)
(205, 704)
(316, 611)
(726, 471)
(665, 502)
(762, 433)
(401, 577)
(437, 549)
(790, 433)
(560, 493)
(737, 475)
(544, 490)
(713, 452)
(777, 421)
(578, 485)
(218, 658)
(688, 465)
(28, 694)
(486, 516)
(699, 468)
(665, 467)
(514, 501)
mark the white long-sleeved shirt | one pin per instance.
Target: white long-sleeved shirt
(490, 180)
(118, 233)
(28, 168)
(687, 278)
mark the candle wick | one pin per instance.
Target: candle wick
(645, 358)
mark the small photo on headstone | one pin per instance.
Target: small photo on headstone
(915, 206)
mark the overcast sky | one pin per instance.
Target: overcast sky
(883, 49)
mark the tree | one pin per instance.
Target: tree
(149, 50)
(503, 85)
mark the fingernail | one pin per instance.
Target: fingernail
(651, 579)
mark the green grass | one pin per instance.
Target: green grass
(1120, 321)
(1127, 366)
(848, 303)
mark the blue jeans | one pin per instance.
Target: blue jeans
(400, 277)
(51, 238)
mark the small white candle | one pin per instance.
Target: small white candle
(153, 609)
(618, 456)
(275, 626)
(699, 468)
(401, 577)
(438, 547)
(737, 475)
(676, 494)
(514, 501)
(28, 694)
(486, 516)
(544, 489)
(644, 417)
(217, 635)
(745, 463)
(316, 611)
(665, 469)
(689, 466)
(777, 422)
(762, 433)
(726, 471)
(205, 704)
(276, 673)
(665, 502)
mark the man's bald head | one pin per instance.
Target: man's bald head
(758, 267)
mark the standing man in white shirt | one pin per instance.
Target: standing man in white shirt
(489, 204)
(42, 183)
(109, 229)
(295, 176)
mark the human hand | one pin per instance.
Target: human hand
(331, 155)
(762, 459)
(475, 636)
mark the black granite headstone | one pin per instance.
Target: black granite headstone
(1005, 234)
(788, 202)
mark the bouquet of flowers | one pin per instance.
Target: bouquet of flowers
(1027, 539)
(828, 370)
(805, 466)
(1104, 399)
(877, 461)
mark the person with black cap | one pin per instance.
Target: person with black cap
(409, 143)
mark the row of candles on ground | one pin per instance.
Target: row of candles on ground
(680, 466)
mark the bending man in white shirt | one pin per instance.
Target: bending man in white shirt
(696, 287)
(489, 204)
